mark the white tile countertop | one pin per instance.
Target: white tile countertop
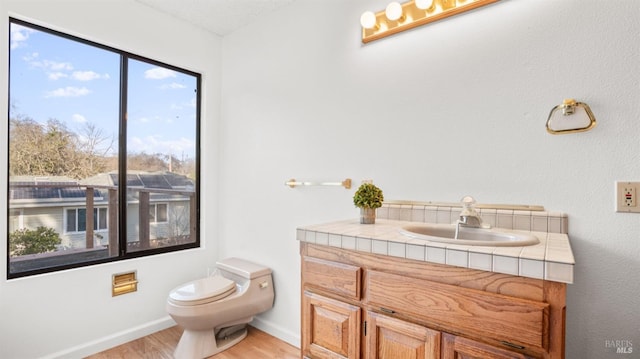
(551, 259)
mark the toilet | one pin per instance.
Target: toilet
(214, 310)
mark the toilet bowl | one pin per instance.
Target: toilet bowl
(214, 310)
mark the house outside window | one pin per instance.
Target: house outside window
(103, 153)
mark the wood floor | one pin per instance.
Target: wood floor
(160, 345)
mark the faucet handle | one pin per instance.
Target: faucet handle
(468, 201)
(468, 209)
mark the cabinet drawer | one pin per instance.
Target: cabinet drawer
(454, 347)
(339, 278)
(462, 310)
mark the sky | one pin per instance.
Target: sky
(52, 77)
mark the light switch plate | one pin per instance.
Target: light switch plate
(627, 196)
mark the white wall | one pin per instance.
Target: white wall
(71, 313)
(453, 108)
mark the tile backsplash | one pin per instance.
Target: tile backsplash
(537, 221)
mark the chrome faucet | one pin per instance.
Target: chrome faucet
(469, 217)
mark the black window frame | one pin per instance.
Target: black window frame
(123, 254)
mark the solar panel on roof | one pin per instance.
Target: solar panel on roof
(35, 193)
(46, 193)
(77, 193)
(47, 183)
(17, 193)
(134, 180)
(177, 180)
(155, 181)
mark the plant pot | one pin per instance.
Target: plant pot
(367, 215)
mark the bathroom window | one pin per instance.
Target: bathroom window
(103, 153)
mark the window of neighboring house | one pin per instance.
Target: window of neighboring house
(96, 135)
(158, 213)
(15, 220)
(76, 219)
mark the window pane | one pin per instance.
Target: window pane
(161, 152)
(102, 219)
(63, 131)
(71, 220)
(95, 219)
(82, 220)
(162, 212)
(152, 213)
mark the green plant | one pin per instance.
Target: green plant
(368, 196)
(28, 241)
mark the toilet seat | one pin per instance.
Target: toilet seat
(202, 291)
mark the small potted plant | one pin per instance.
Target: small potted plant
(368, 197)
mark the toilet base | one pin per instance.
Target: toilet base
(203, 343)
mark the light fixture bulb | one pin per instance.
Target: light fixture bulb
(394, 11)
(368, 20)
(424, 4)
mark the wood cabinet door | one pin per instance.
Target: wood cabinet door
(391, 338)
(330, 328)
(454, 347)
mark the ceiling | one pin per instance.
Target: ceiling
(220, 17)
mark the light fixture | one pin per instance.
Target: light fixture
(394, 11)
(368, 20)
(400, 17)
(424, 4)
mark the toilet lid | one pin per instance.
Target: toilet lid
(203, 291)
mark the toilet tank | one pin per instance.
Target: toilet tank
(243, 268)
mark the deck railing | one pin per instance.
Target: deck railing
(144, 201)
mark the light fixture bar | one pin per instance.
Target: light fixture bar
(412, 16)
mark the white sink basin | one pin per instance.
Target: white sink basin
(445, 233)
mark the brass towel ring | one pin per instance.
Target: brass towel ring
(570, 117)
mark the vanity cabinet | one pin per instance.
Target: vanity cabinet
(362, 305)
(388, 337)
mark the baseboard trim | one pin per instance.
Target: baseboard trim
(110, 341)
(277, 331)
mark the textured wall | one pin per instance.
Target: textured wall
(453, 108)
